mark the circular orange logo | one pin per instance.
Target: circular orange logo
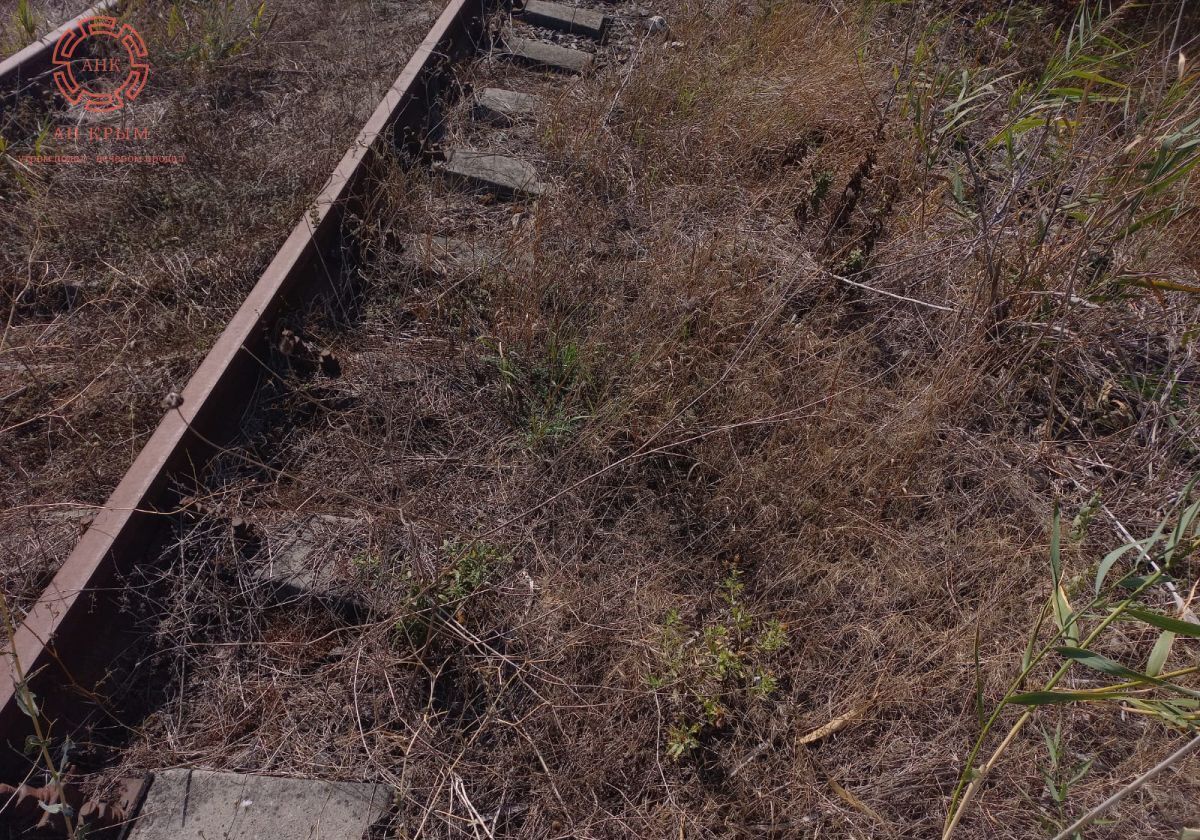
(114, 65)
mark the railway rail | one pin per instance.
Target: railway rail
(79, 644)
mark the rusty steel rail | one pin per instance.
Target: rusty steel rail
(70, 639)
(34, 62)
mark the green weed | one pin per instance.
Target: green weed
(26, 23)
(1059, 776)
(998, 123)
(721, 665)
(425, 606)
(39, 742)
(1077, 634)
(220, 30)
(544, 391)
(821, 185)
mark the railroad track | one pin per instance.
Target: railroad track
(462, 116)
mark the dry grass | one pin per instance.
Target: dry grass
(602, 473)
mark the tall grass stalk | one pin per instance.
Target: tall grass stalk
(27, 702)
(1164, 547)
(26, 22)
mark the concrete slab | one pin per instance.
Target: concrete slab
(206, 805)
(28, 370)
(444, 255)
(505, 106)
(565, 18)
(296, 569)
(549, 56)
(447, 256)
(80, 517)
(497, 173)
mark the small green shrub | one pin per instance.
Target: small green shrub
(543, 390)
(424, 606)
(723, 664)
